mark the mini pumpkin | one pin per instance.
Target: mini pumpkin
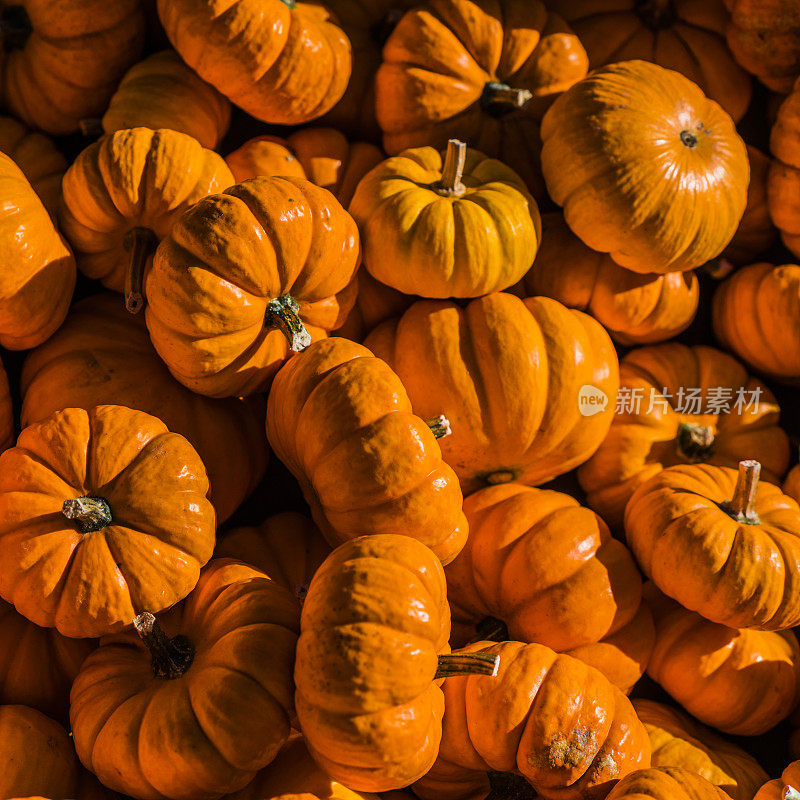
(666, 783)
(663, 420)
(162, 92)
(635, 308)
(125, 192)
(341, 421)
(195, 704)
(241, 274)
(738, 680)
(783, 788)
(103, 514)
(791, 485)
(508, 374)
(282, 62)
(653, 172)
(783, 180)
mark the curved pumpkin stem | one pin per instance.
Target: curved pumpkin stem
(141, 243)
(91, 126)
(440, 426)
(450, 184)
(498, 98)
(455, 664)
(170, 657)
(740, 506)
(695, 442)
(790, 793)
(282, 313)
(90, 513)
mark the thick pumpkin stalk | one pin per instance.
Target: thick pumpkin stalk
(498, 98)
(90, 513)
(455, 664)
(283, 313)
(440, 426)
(170, 657)
(450, 184)
(695, 442)
(740, 506)
(141, 243)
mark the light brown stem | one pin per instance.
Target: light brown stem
(500, 476)
(141, 243)
(741, 505)
(91, 126)
(90, 513)
(450, 184)
(440, 426)
(695, 442)
(283, 313)
(498, 99)
(456, 664)
(170, 658)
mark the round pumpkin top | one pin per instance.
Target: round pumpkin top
(787, 787)
(666, 783)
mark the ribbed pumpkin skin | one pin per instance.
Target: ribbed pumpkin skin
(783, 179)
(282, 62)
(514, 722)
(226, 258)
(374, 621)
(635, 308)
(676, 740)
(102, 355)
(441, 59)
(738, 680)
(342, 423)
(791, 485)
(72, 60)
(666, 783)
(39, 276)
(641, 443)
(134, 178)
(629, 185)
(162, 92)
(507, 373)
(687, 36)
(149, 557)
(755, 314)
(207, 732)
(774, 790)
(421, 242)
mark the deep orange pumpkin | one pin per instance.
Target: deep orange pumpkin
(783, 180)
(783, 788)
(666, 783)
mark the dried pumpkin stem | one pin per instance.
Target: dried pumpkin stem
(141, 243)
(283, 313)
(91, 126)
(456, 664)
(440, 426)
(450, 184)
(170, 657)
(695, 442)
(790, 793)
(740, 506)
(498, 98)
(90, 513)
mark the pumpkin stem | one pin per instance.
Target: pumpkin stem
(450, 184)
(790, 793)
(141, 243)
(91, 126)
(688, 139)
(291, 3)
(90, 513)
(170, 657)
(508, 786)
(455, 664)
(719, 268)
(498, 99)
(655, 14)
(500, 476)
(740, 506)
(282, 313)
(695, 442)
(15, 27)
(440, 426)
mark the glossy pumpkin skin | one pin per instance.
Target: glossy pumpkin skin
(688, 37)
(634, 308)
(134, 178)
(640, 443)
(66, 65)
(37, 283)
(342, 423)
(755, 314)
(658, 179)
(776, 789)
(423, 242)
(226, 258)
(507, 373)
(102, 355)
(162, 92)
(282, 62)
(208, 731)
(666, 783)
(36, 155)
(677, 740)
(738, 680)
(149, 556)
(783, 180)
(373, 623)
(512, 723)
(440, 65)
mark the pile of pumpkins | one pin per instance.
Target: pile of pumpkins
(301, 307)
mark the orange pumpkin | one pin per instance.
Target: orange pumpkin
(652, 171)
(342, 423)
(63, 63)
(102, 355)
(676, 740)
(663, 421)
(103, 514)
(688, 37)
(756, 313)
(783, 788)
(738, 680)
(39, 274)
(783, 179)
(162, 92)
(240, 275)
(791, 485)
(508, 374)
(666, 783)
(282, 61)
(125, 192)
(546, 718)
(635, 308)
(480, 70)
(194, 705)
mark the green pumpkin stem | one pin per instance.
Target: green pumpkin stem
(141, 243)
(740, 506)
(90, 513)
(170, 658)
(450, 184)
(455, 664)
(790, 793)
(91, 126)
(695, 442)
(498, 99)
(508, 786)
(283, 313)
(440, 426)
